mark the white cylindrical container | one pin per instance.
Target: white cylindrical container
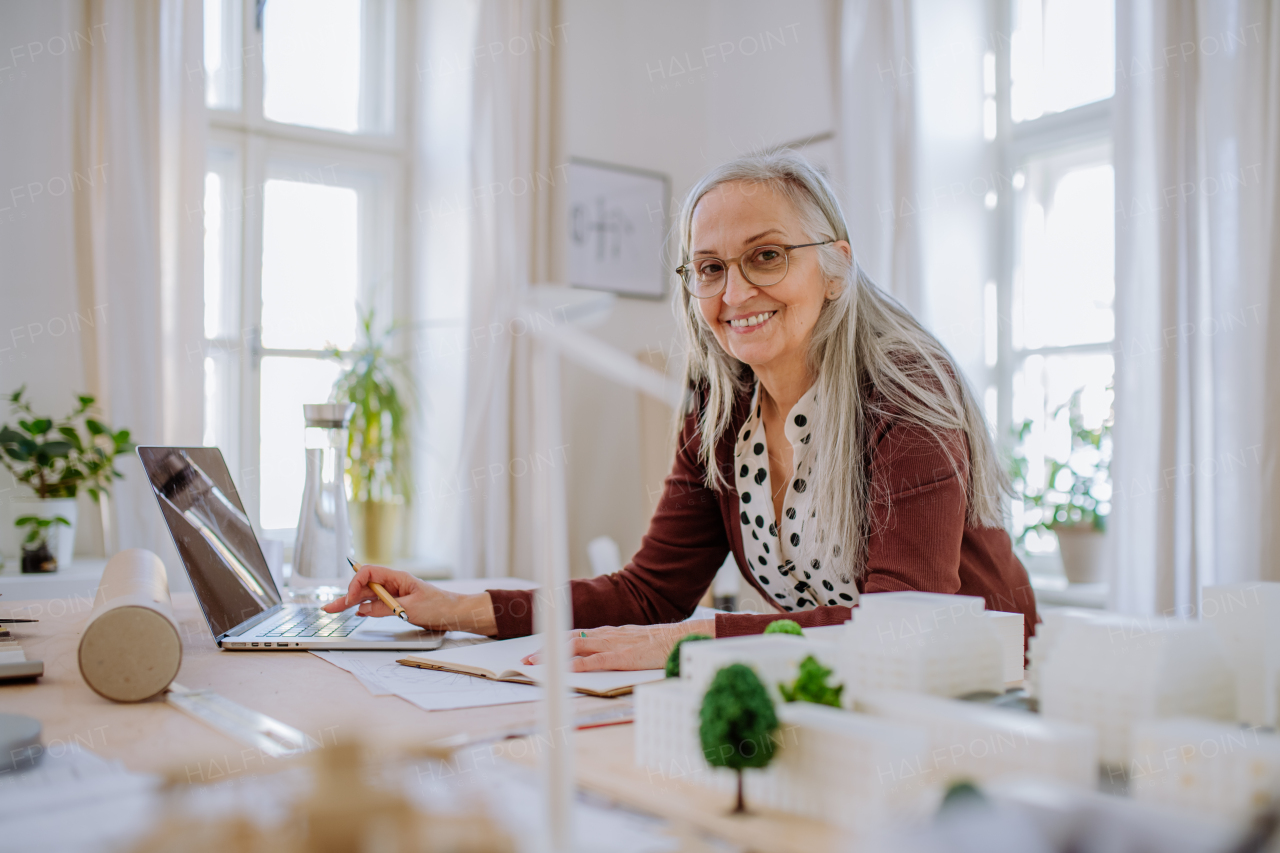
(323, 541)
(131, 649)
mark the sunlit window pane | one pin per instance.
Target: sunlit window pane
(222, 54)
(309, 255)
(213, 247)
(1065, 279)
(1062, 55)
(311, 63)
(287, 384)
(1042, 388)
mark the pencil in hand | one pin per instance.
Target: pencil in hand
(382, 593)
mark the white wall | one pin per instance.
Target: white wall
(762, 75)
(42, 322)
(52, 325)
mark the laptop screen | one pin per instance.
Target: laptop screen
(212, 533)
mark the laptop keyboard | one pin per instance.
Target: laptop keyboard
(316, 623)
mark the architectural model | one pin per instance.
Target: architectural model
(981, 743)
(1214, 769)
(923, 643)
(832, 764)
(1246, 617)
(1109, 671)
(850, 767)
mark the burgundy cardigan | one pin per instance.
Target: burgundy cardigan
(920, 542)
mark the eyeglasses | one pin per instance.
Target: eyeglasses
(762, 266)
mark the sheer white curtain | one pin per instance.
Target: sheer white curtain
(877, 130)
(1197, 158)
(140, 237)
(513, 169)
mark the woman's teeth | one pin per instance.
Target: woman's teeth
(755, 320)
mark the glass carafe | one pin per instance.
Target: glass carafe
(324, 529)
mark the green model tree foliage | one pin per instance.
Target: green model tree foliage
(784, 626)
(673, 659)
(811, 685)
(737, 719)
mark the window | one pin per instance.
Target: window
(1050, 320)
(303, 202)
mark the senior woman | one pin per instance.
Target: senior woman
(829, 443)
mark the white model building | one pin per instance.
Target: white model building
(1110, 671)
(1246, 617)
(775, 658)
(847, 768)
(1213, 769)
(1047, 633)
(1012, 629)
(923, 643)
(983, 743)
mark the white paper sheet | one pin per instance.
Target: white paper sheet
(429, 689)
(505, 655)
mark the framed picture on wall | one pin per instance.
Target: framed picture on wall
(617, 229)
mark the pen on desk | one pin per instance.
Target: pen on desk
(382, 593)
(7, 621)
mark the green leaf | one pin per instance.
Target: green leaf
(94, 427)
(86, 401)
(72, 436)
(57, 449)
(9, 435)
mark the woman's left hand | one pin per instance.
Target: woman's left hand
(628, 647)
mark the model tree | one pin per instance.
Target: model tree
(784, 626)
(737, 719)
(811, 685)
(673, 659)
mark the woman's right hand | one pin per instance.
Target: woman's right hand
(424, 604)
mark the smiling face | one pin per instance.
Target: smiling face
(768, 328)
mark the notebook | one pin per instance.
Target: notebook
(500, 661)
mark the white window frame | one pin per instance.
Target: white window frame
(1079, 129)
(254, 149)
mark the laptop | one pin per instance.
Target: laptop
(224, 561)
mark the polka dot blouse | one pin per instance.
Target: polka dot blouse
(773, 549)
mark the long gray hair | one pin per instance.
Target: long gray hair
(863, 340)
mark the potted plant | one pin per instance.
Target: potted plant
(1074, 498)
(379, 471)
(36, 556)
(55, 459)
